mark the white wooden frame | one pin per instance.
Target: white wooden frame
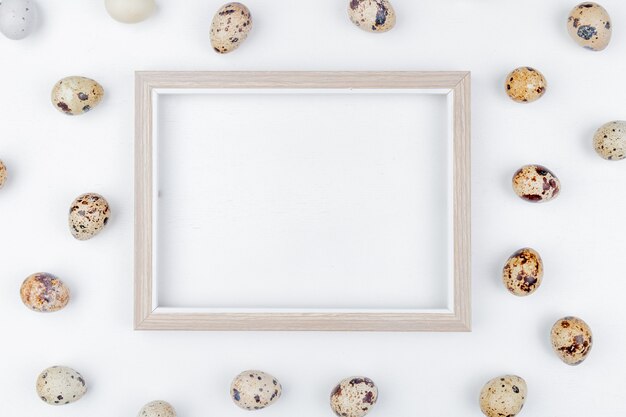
(149, 316)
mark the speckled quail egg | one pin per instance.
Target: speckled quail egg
(610, 141)
(60, 385)
(230, 27)
(18, 18)
(536, 183)
(89, 214)
(571, 340)
(254, 390)
(130, 11)
(375, 16)
(590, 26)
(3, 174)
(76, 95)
(503, 396)
(44, 292)
(525, 84)
(157, 409)
(353, 397)
(523, 272)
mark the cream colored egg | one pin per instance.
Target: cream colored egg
(3, 174)
(536, 184)
(230, 27)
(525, 85)
(609, 141)
(89, 214)
(353, 397)
(130, 11)
(60, 385)
(76, 95)
(255, 390)
(503, 396)
(157, 409)
(375, 16)
(43, 292)
(571, 340)
(523, 272)
(590, 26)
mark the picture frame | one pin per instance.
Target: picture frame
(148, 315)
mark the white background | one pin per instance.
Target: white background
(302, 200)
(581, 235)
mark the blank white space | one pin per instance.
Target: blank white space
(302, 200)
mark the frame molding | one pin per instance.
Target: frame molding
(148, 316)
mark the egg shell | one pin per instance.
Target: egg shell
(609, 141)
(89, 214)
(503, 396)
(375, 16)
(525, 84)
(590, 26)
(130, 11)
(523, 272)
(18, 18)
(43, 292)
(353, 397)
(60, 385)
(76, 95)
(3, 174)
(536, 184)
(230, 27)
(571, 340)
(254, 390)
(157, 409)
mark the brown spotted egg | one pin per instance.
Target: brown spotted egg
(89, 214)
(76, 95)
(254, 390)
(157, 409)
(610, 141)
(503, 396)
(525, 84)
(3, 174)
(536, 183)
(230, 27)
(353, 397)
(590, 26)
(523, 272)
(375, 16)
(60, 385)
(43, 292)
(571, 340)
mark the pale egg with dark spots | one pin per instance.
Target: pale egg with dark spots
(536, 184)
(18, 18)
(230, 27)
(254, 390)
(60, 385)
(3, 174)
(525, 84)
(89, 213)
(43, 292)
(353, 397)
(375, 16)
(76, 95)
(571, 340)
(590, 26)
(157, 409)
(523, 272)
(503, 396)
(609, 141)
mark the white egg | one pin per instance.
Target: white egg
(130, 11)
(18, 18)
